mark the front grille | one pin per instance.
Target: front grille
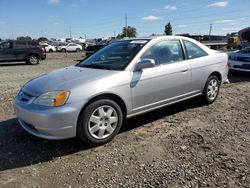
(244, 59)
(244, 66)
(25, 97)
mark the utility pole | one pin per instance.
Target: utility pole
(210, 31)
(41, 33)
(126, 25)
(70, 31)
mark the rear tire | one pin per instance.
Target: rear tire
(78, 50)
(64, 50)
(211, 90)
(32, 59)
(99, 122)
(50, 50)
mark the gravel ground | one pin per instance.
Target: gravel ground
(184, 145)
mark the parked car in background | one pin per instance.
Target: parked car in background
(48, 47)
(95, 45)
(15, 50)
(71, 47)
(124, 79)
(240, 60)
(92, 48)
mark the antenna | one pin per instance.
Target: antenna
(70, 31)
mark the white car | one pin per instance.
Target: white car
(71, 47)
(49, 48)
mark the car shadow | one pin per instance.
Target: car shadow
(20, 149)
(12, 64)
(235, 77)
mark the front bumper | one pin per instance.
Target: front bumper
(239, 66)
(47, 122)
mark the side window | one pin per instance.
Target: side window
(193, 50)
(20, 44)
(165, 52)
(5, 45)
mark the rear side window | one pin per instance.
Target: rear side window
(32, 44)
(165, 52)
(193, 51)
(20, 44)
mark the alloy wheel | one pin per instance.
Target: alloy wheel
(102, 122)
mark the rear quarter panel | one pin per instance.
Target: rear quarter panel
(203, 67)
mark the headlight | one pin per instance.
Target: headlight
(54, 98)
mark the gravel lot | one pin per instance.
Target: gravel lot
(184, 145)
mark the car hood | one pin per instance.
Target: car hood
(240, 53)
(64, 79)
(244, 36)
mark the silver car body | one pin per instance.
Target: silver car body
(138, 91)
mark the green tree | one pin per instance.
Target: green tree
(24, 38)
(168, 29)
(127, 32)
(42, 39)
(205, 38)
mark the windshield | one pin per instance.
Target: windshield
(245, 50)
(115, 56)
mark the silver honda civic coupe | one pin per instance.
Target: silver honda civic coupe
(126, 78)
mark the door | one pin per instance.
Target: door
(168, 81)
(21, 49)
(71, 47)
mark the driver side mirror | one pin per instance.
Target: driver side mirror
(145, 63)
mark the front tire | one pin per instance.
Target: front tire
(211, 90)
(99, 122)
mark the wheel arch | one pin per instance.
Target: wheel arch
(33, 53)
(110, 96)
(217, 74)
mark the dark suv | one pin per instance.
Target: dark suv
(15, 50)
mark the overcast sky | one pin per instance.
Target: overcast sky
(105, 18)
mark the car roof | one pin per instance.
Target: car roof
(158, 38)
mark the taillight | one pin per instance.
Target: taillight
(42, 49)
